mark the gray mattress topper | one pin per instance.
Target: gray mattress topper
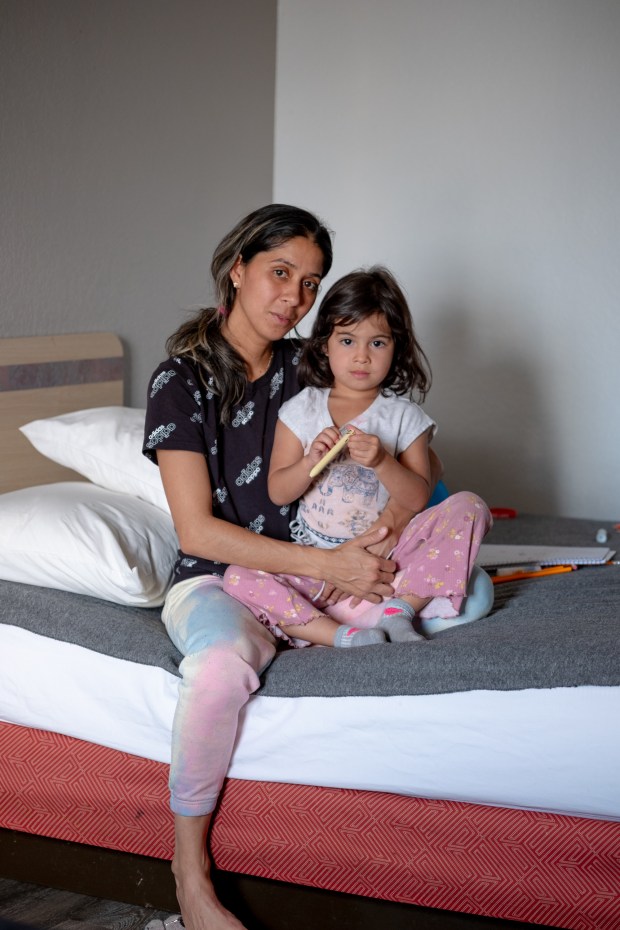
(558, 631)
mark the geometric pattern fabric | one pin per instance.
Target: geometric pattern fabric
(490, 861)
(497, 862)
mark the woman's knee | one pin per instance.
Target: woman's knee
(204, 617)
(223, 675)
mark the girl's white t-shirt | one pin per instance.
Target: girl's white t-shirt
(345, 499)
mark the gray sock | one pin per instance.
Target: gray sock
(397, 622)
(352, 636)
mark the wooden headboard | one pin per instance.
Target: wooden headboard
(44, 376)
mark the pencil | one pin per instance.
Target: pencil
(541, 572)
(333, 452)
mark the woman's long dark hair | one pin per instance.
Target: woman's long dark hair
(200, 337)
(352, 299)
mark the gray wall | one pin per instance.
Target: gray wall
(474, 147)
(134, 133)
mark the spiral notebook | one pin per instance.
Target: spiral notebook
(491, 556)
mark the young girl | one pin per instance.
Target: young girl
(360, 366)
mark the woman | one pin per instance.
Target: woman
(211, 417)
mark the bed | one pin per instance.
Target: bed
(477, 774)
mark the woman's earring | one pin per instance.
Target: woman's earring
(236, 285)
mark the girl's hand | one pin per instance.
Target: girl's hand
(321, 444)
(365, 449)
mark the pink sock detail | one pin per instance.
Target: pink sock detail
(390, 611)
(353, 630)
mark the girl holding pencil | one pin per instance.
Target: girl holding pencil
(345, 445)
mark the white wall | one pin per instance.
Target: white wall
(474, 147)
(134, 134)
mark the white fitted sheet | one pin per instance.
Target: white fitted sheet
(553, 750)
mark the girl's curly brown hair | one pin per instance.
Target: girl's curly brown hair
(352, 299)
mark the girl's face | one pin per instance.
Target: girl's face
(276, 289)
(360, 354)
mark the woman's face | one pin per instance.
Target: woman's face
(276, 289)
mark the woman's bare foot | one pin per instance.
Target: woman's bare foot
(200, 908)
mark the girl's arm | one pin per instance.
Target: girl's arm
(289, 468)
(395, 517)
(407, 478)
(349, 567)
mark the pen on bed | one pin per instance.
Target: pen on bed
(333, 452)
(541, 572)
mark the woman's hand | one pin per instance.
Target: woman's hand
(330, 594)
(353, 570)
(393, 521)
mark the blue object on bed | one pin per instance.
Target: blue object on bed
(439, 494)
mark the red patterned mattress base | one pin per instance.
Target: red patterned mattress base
(512, 864)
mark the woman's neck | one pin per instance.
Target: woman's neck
(255, 352)
(345, 405)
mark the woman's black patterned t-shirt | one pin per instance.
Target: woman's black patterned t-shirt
(183, 414)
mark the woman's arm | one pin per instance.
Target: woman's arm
(349, 567)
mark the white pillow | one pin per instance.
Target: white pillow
(78, 537)
(105, 445)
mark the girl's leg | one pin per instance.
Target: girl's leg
(274, 599)
(437, 551)
(284, 604)
(477, 604)
(327, 632)
(454, 528)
